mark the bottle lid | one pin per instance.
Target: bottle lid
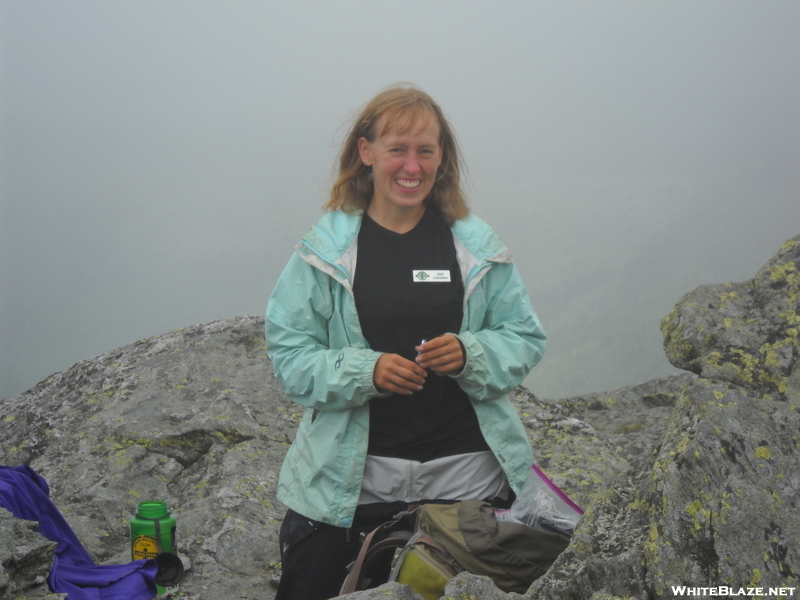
(152, 509)
(170, 569)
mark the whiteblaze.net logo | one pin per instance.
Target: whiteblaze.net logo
(723, 591)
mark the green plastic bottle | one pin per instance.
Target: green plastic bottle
(152, 532)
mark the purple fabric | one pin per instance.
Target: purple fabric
(27, 496)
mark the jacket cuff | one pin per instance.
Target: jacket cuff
(368, 379)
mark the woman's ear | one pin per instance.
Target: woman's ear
(364, 151)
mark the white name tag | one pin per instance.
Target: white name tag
(428, 276)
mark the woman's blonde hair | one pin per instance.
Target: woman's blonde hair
(405, 106)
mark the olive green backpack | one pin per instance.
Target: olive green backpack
(434, 542)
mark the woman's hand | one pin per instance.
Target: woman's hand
(443, 354)
(393, 373)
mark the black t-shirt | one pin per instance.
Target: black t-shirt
(408, 288)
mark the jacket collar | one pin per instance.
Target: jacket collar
(331, 245)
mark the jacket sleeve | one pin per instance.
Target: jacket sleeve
(311, 370)
(503, 339)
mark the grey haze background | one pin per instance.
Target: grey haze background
(160, 159)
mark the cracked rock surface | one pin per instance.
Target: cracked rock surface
(193, 417)
(25, 558)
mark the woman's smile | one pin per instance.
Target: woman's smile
(409, 184)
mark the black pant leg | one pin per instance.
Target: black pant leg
(315, 555)
(316, 559)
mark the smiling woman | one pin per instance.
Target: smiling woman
(392, 420)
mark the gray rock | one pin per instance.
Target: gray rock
(395, 591)
(745, 333)
(582, 443)
(193, 417)
(25, 559)
(718, 506)
(468, 586)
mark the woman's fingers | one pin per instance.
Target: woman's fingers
(443, 354)
(394, 373)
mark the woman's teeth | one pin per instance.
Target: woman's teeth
(408, 184)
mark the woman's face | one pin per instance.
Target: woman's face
(404, 167)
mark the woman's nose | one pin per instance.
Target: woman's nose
(412, 163)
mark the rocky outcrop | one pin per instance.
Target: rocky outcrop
(25, 558)
(193, 417)
(688, 480)
(717, 503)
(744, 333)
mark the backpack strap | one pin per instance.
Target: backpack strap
(377, 541)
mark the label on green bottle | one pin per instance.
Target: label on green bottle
(144, 546)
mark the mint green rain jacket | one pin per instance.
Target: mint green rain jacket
(323, 362)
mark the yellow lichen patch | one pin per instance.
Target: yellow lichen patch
(763, 453)
(772, 353)
(639, 505)
(789, 245)
(121, 460)
(700, 515)
(9, 418)
(20, 447)
(745, 367)
(682, 445)
(650, 554)
(784, 271)
(792, 318)
(728, 296)
(725, 508)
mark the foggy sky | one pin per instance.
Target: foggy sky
(158, 160)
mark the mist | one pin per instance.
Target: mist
(159, 160)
